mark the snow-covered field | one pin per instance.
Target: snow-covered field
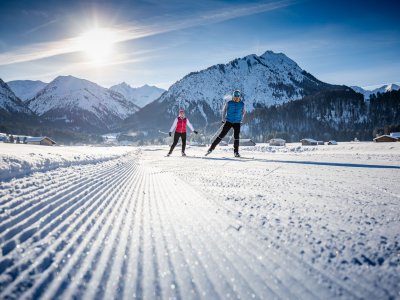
(289, 222)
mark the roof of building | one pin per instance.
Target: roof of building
(387, 136)
(39, 139)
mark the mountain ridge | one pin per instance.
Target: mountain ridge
(140, 96)
(26, 89)
(79, 103)
(383, 89)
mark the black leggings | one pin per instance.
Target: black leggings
(225, 129)
(178, 135)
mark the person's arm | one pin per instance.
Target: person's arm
(174, 125)
(224, 110)
(189, 124)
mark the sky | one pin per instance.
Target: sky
(158, 42)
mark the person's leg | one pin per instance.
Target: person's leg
(183, 137)
(219, 138)
(236, 132)
(176, 139)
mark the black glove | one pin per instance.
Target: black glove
(195, 132)
(170, 133)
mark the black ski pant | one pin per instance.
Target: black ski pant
(225, 129)
(178, 135)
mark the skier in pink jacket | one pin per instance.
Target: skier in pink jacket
(179, 126)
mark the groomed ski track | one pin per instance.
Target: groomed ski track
(125, 229)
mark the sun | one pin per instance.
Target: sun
(97, 44)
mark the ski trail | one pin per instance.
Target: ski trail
(65, 239)
(124, 229)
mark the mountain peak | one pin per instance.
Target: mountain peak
(269, 79)
(140, 96)
(26, 89)
(392, 87)
(10, 102)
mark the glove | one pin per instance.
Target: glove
(195, 132)
(170, 133)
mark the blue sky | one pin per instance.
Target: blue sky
(159, 42)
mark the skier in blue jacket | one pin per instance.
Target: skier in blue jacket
(232, 116)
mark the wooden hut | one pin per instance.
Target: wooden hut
(309, 142)
(40, 140)
(385, 138)
(277, 142)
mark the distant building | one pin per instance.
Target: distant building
(41, 140)
(277, 142)
(385, 138)
(309, 142)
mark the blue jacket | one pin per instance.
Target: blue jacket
(234, 111)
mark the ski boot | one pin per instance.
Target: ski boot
(208, 152)
(183, 154)
(237, 154)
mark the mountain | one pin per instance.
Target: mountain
(269, 79)
(11, 104)
(81, 105)
(140, 96)
(15, 116)
(26, 89)
(383, 89)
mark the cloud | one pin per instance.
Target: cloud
(133, 31)
(32, 30)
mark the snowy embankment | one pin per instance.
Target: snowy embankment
(18, 160)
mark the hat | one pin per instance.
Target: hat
(236, 93)
(181, 111)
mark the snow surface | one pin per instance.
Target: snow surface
(294, 222)
(18, 160)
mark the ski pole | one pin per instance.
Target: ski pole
(218, 131)
(163, 132)
(231, 137)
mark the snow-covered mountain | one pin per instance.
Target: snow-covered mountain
(26, 89)
(383, 89)
(140, 96)
(9, 103)
(81, 104)
(269, 79)
(265, 80)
